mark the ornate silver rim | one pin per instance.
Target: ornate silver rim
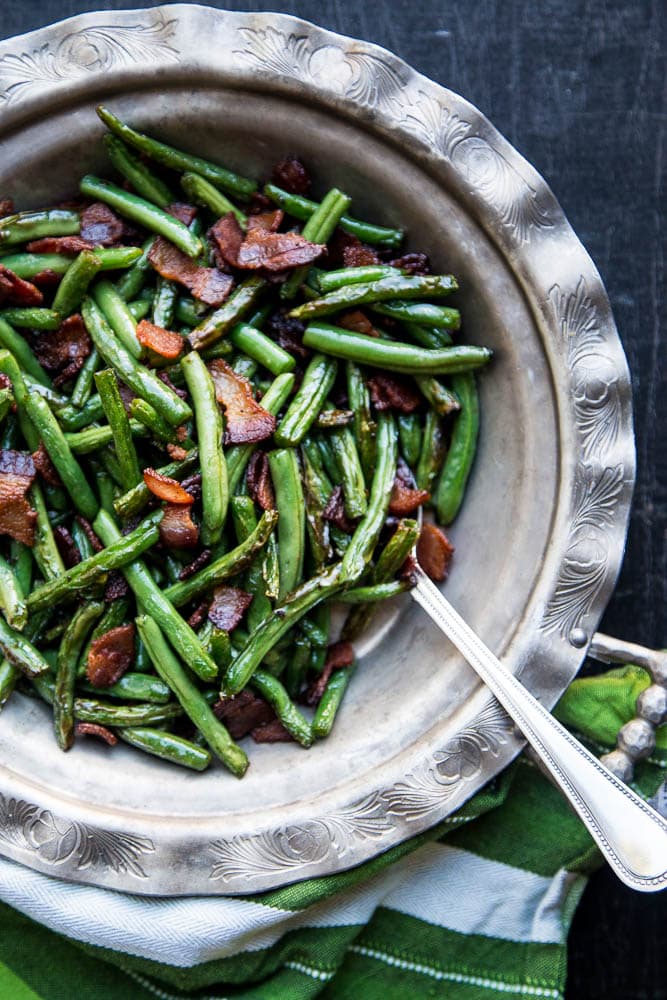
(518, 212)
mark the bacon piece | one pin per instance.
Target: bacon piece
(66, 546)
(434, 551)
(60, 244)
(177, 529)
(101, 226)
(408, 571)
(259, 482)
(288, 332)
(183, 212)
(165, 343)
(176, 453)
(94, 729)
(392, 392)
(228, 607)
(405, 497)
(165, 488)
(413, 263)
(63, 351)
(247, 421)
(271, 732)
(242, 713)
(6, 207)
(359, 255)
(110, 656)
(193, 485)
(45, 466)
(335, 511)
(89, 533)
(359, 322)
(208, 284)
(339, 656)
(291, 175)
(115, 587)
(227, 237)
(47, 279)
(261, 249)
(259, 203)
(17, 474)
(198, 563)
(198, 616)
(268, 221)
(5, 381)
(18, 291)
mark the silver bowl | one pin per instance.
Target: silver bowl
(538, 543)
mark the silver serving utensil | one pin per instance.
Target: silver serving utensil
(630, 834)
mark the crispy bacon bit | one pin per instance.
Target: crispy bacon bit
(18, 291)
(166, 488)
(110, 656)
(66, 546)
(434, 551)
(359, 255)
(288, 332)
(94, 729)
(291, 175)
(247, 421)
(60, 244)
(176, 453)
(198, 616)
(226, 236)
(17, 518)
(89, 533)
(228, 607)
(100, 225)
(259, 482)
(165, 343)
(6, 207)
(183, 212)
(271, 732)
(177, 529)
(259, 203)
(243, 712)
(269, 221)
(193, 485)
(261, 248)
(392, 392)
(335, 511)
(47, 279)
(5, 381)
(45, 466)
(116, 587)
(63, 351)
(413, 263)
(405, 497)
(359, 322)
(408, 571)
(208, 284)
(193, 567)
(339, 656)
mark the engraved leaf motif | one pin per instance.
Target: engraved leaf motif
(576, 316)
(270, 49)
(433, 123)
(118, 852)
(15, 817)
(374, 80)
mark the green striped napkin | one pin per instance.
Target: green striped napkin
(478, 907)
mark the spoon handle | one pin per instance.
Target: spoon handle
(631, 835)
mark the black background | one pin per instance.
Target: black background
(580, 88)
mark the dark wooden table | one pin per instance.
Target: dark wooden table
(580, 88)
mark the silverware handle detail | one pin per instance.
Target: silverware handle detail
(631, 835)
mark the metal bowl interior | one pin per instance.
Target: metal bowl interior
(538, 541)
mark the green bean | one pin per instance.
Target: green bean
(245, 366)
(420, 313)
(202, 192)
(189, 310)
(191, 700)
(364, 426)
(82, 541)
(297, 665)
(366, 534)
(10, 367)
(330, 281)
(154, 602)
(143, 412)
(367, 292)
(115, 615)
(135, 687)
(315, 499)
(272, 401)
(317, 383)
(442, 399)
(72, 419)
(318, 229)
(27, 265)
(117, 554)
(26, 226)
(284, 466)
(20, 652)
(329, 703)
(260, 316)
(434, 336)
(132, 502)
(74, 284)
(142, 381)
(167, 746)
(272, 690)
(261, 348)
(119, 424)
(226, 565)
(117, 314)
(270, 567)
(140, 308)
(105, 713)
(176, 159)
(318, 588)
(389, 562)
(432, 453)
(12, 597)
(92, 439)
(208, 418)
(410, 436)
(134, 279)
(33, 317)
(133, 169)
(23, 565)
(352, 476)
(326, 419)
(389, 354)
(60, 453)
(6, 402)
(245, 525)
(68, 655)
(374, 592)
(240, 302)
(84, 381)
(45, 550)
(302, 208)
(12, 341)
(164, 303)
(155, 219)
(317, 626)
(461, 454)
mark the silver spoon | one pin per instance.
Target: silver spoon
(631, 835)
